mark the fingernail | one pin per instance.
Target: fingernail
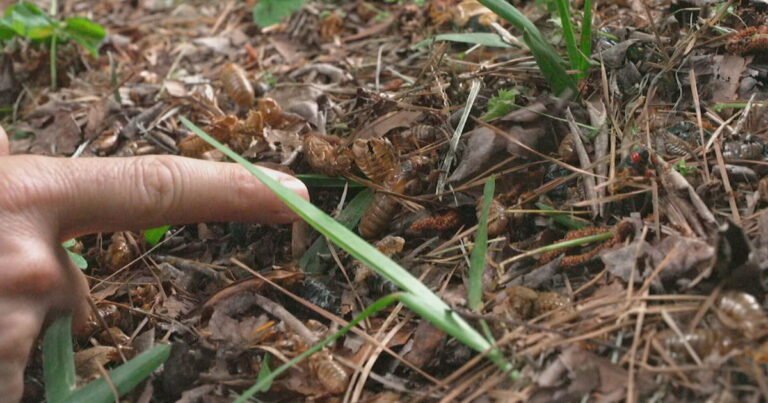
(295, 185)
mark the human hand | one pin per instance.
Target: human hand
(45, 201)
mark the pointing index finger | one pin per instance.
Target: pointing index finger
(142, 192)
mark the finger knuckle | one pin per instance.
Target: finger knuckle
(36, 274)
(159, 184)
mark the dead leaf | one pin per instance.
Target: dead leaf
(218, 44)
(286, 143)
(484, 147)
(427, 339)
(175, 88)
(683, 254)
(89, 361)
(587, 374)
(727, 71)
(237, 333)
(61, 137)
(383, 125)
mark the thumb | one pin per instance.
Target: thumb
(5, 147)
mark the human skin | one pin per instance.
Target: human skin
(44, 201)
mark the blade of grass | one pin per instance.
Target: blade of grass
(477, 260)
(349, 217)
(58, 360)
(424, 302)
(550, 63)
(574, 56)
(125, 377)
(323, 181)
(263, 383)
(52, 61)
(563, 219)
(264, 373)
(474, 38)
(560, 245)
(586, 36)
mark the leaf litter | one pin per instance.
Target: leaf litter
(628, 232)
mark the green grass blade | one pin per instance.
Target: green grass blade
(324, 181)
(586, 36)
(125, 377)
(474, 38)
(58, 360)
(426, 303)
(264, 373)
(550, 63)
(263, 382)
(349, 217)
(477, 260)
(574, 56)
(563, 219)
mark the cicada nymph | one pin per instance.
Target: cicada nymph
(222, 129)
(741, 312)
(376, 158)
(417, 137)
(704, 342)
(378, 216)
(325, 155)
(389, 246)
(236, 85)
(524, 303)
(498, 220)
(329, 372)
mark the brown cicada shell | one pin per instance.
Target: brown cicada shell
(741, 311)
(389, 246)
(704, 342)
(376, 158)
(222, 129)
(119, 254)
(416, 137)
(378, 216)
(236, 85)
(525, 303)
(329, 373)
(272, 113)
(566, 149)
(324, 155)
(498, 220)
(521, 301)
